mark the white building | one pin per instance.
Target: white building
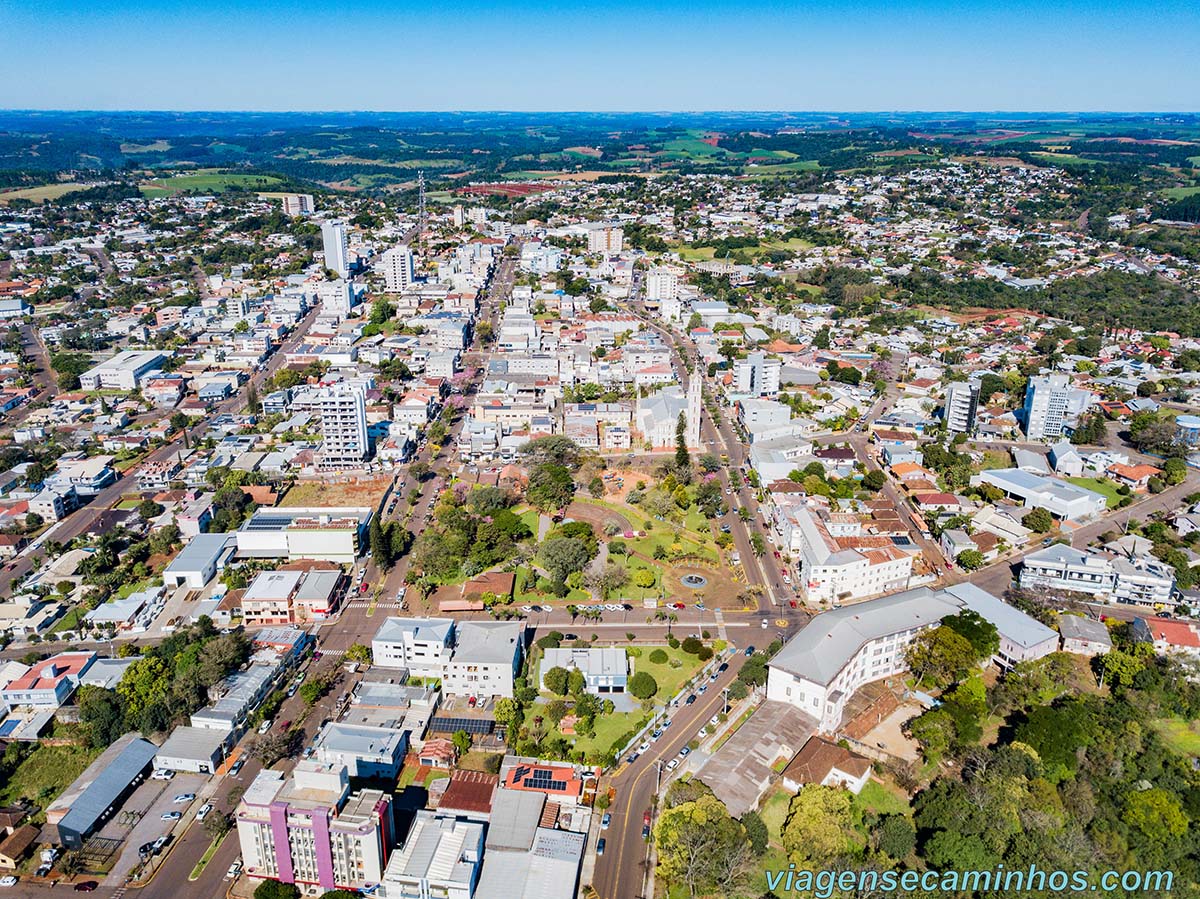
(1137, 580)
(398, 269)
(487, 655)
(441, 858)
(122, 371)
(346, 441)
(337, 252)
(1061, 499)
(962, 403)
(1051, 404)
(662, 284)
(757, 375)
(298, 204)
(837, 652)
(420, 645)
(605, 239)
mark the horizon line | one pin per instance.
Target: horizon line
(681, 111)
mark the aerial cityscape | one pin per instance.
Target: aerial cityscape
(613, 504)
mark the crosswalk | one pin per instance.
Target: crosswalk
(366, 604)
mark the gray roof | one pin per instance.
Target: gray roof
(424, 629)
(360, 741)
(104, 780)
(824, 646)
(201, 551)
(595, 661)
(514, 819)
(1075, 627)
(487, 641)
(187, 742)
(549, 870)
(1010, 621)
(318, 584)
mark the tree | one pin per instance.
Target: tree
(217, 824)
(642, 685)
(550, 487)
(700, 845)
(576, 682)
(874, 480)
(895, 837)
(556, 680)
(102, 713)
(149, 509)
(552, 449)
(1174, 471)
(979, 632)
(819, 824)
(940, 654)
(683, 459)
(562, 556)
(272, 746)
(462, 741)
(756, 832)
(1157, 814)
(970, 560)
(505, 711)
(658, 656)
(274, 889)
(1039, 520)
(358, 652)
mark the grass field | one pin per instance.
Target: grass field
(45, 773)
(1099, 485)
(362, 493)
(609, 729)
(42, 192)
(158, 146)
(1068, 159)
(205, 181)
(1179, 193)
(669, 679)
(1182, 736)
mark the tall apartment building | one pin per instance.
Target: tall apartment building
(477, 216)
(398, 269)
(756, 375)
(606, 239)
(962, 405)
(1046, 401)
(343, 410)
(337, 252)
(662, 285)
(310, 830)
(460, 216)
(421, 645)
(297, 204)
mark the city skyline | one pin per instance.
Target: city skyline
(928, 56)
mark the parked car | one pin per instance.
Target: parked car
(605, 821)
(673, 764)
(600, 846)
(184, 797)
(265, 726)
(8, 881)
(646, 832)
(691, 698)
(204, 810)
(646, 818)
(87, 886)
(685, 751)
(715, 720)
(237, 767)
(162, 774)
(234, 870)
(170, 816)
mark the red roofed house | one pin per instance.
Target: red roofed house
(828, 764)
(438, 753)
(50, 682)
(1135, 477)
(1169, 635)
(554, 780)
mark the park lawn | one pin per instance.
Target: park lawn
(1181, 736)
(694, 254)
(1102, 486)
(877, 798)
(609, 729)
(46, 772)
(69, 621)
(670, 680)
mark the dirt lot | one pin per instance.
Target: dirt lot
(889, 736)
(334, 491)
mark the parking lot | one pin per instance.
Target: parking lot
(139, 820)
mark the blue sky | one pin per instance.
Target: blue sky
(670, 55)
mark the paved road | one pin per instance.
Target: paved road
(81, 519)
(621, 872)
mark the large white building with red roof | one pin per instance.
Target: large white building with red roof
(50, 682)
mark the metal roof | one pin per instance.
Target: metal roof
(105, 779)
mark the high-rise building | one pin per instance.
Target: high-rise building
(460, 216)
(606, 239)
(398, 269)
(310, 829)
(757, 375)
(477, 216)
(662, 285)
(346, 441)
(337, 253)
(1047, 399)
(297, 204)
(962, 404)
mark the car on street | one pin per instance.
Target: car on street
(527, 609)
(645, 745)
(605, 821)
(714, 676)
(723, 667)
(170, 816)
(265, 726)
(702, 733)
(673, 764)
(685, 751)
(703, 688)
(646, 832)
(234, 870)
(203, 812)
(749, 650)
(8, 881)
(632, 758)
(600, 846)
(570, 636)
(715, 720)
(691, 698)
(646, 818)
(237, 767)
(87, 886)
(764, 624)
(655, 735)
(184, 797)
